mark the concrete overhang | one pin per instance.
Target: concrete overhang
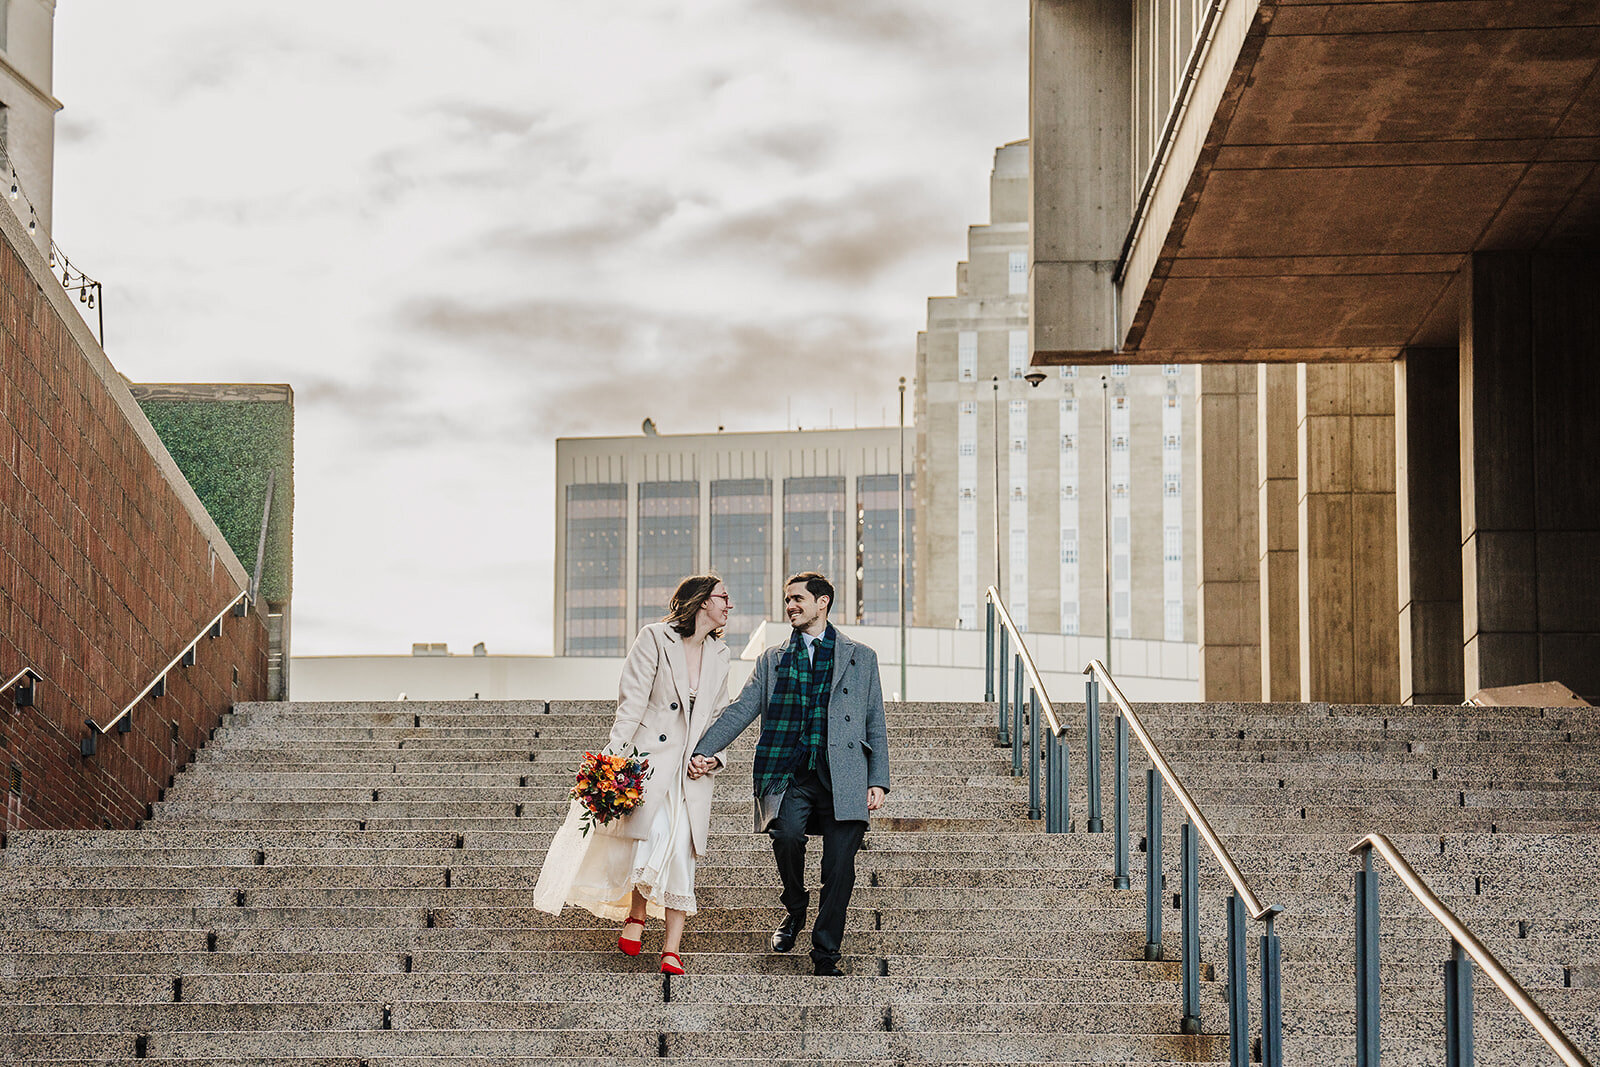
(1338, 162)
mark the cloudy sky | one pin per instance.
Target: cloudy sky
(461, 231)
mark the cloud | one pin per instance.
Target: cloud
(489, 120)
(574, 368)
(623, 217)
(75, 131)
(803, 146)
(847, 239)
(864, 21)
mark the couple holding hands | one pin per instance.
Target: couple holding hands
(821, 765)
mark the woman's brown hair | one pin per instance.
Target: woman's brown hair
(691, 593)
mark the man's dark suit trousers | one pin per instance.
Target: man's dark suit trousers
(808, 804)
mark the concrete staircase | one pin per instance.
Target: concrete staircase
(346, 884)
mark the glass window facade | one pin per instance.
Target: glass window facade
(741, 552)
(669, 528)
(878, 549)
(596, 578)
(816, 530)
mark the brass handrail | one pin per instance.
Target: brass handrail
(1252, 903)
(159, 678)
(1027, 661)
(1508, 986)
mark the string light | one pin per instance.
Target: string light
(73, 280)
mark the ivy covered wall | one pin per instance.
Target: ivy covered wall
(226, 439)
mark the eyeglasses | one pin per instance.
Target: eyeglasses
(727, 601)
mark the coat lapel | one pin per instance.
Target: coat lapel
(679, 666)
(713, 669)
(843, 649)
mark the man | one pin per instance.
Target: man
(822, 763)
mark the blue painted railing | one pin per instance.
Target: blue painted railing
(1243, 904)
(1046, 742)
(1465, 948)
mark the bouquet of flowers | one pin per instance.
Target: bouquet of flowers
(610, 786)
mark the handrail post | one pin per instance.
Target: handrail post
(1120, 879)
(1457, 1008)
(1016, 720)
(1055, 783)
(1271, 998)
(1238, 986)
(1367, 1042)
(988, 657)
(1154, 867)
(1002, 682)
(1092, 753)
(1033, 754)
(1189, 919)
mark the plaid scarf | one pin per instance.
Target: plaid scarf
(794, 729)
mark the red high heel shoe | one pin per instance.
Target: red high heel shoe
(675, 967)
(631, 947)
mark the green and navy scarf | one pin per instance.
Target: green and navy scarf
(795, 728)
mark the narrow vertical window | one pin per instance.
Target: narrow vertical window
(1017, 274)
(1017, 352)
(967, 354)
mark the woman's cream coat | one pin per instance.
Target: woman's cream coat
(653, 717)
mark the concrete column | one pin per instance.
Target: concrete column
(1349, 629)
(1228, 605)
(1277, 474)
(1530, 504)
(1081, 122)
(1428, 524)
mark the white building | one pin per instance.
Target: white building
(981, 425)
(636, 514)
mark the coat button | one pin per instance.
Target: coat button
(674, 708)
(851, 745)
(846, 689)
(847, 718)
(663, 737)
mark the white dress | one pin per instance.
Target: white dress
(600, 872)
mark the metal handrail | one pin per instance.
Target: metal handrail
(1508, 986)
(161, 677)
(1252, 903)
(1027, 661)
(26, 672)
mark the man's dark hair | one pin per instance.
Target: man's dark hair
(816, 585)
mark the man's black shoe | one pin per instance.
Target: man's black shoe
(828, 969)
(783, 937)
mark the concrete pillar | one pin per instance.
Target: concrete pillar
(1428, 524)
(1277, 475)
(1228, 605)
(1349, 629)
(1080, 105)
(1530, 504)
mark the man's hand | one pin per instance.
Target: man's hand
(874, 798)
(701, 765)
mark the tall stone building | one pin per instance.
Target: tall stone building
(981, 421)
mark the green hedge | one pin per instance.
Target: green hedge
(226, 449)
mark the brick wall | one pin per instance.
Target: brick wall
(109, 566)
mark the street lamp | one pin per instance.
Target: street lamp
(1105, 453)
(904, 693)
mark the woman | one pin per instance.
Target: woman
(674, 685)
